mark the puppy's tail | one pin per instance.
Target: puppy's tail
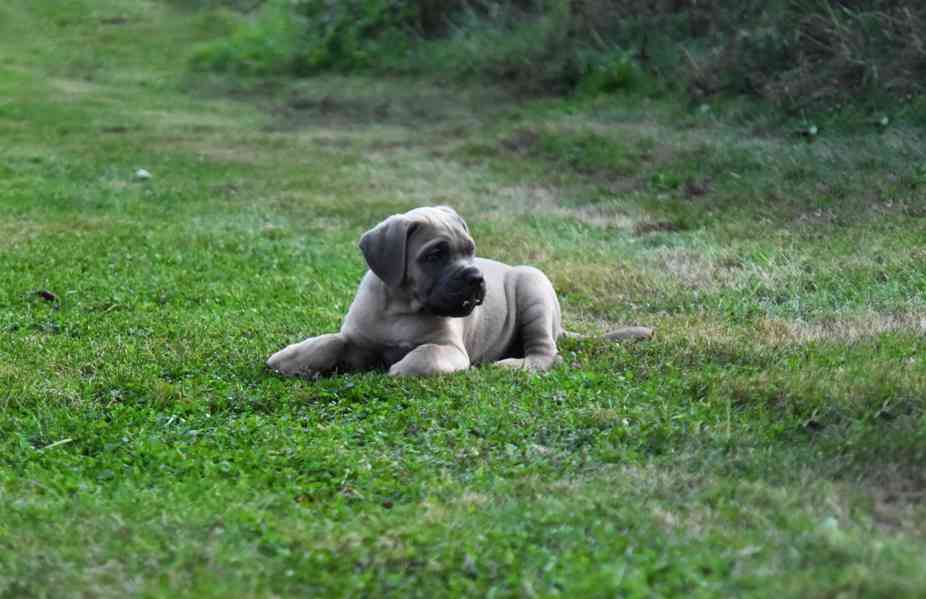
(621, 334)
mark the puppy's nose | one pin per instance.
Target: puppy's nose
(473, 277)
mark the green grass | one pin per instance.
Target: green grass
(769, 442)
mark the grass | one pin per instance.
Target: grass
(768, 442)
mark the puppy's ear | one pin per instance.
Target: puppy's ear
(455, 216)
(383, 248)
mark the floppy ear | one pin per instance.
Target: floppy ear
(455, 216)
(383, 248)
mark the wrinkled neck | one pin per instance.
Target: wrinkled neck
(398, 300)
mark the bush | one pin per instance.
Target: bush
(843, 51)
(537, 48)
(263, 45)
(530, 52)
(309, 36)
(352, 34)
(795, 54)
(807, 55)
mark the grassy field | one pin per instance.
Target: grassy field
(769, 442)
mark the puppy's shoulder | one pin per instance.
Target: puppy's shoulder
(490, 267)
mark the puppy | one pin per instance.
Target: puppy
(429, 306)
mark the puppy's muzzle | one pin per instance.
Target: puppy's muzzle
(458, 293)
(476, 287)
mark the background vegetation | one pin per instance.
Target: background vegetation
(799, 56)
(769, 442)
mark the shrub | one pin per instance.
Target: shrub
(533, 47)
(352, 34)
(530, 51)
(812, 54)
(262, 45)
(304, 37)
(794, 54)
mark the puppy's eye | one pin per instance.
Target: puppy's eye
(434, 256)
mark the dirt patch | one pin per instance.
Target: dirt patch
(114, 21)
(819, 216)
(696, 188)
(520, 141)
(118, 129)
(898, 498)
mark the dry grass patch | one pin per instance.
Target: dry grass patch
(699, 340)
(609, 216)
(694, 269)
(522, 199)
(505, 201)
(76, 88)
(221, 152)
(172, 120)
(847, 329)
(415, 179)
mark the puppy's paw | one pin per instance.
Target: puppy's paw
(286, 361)
(512, 363)
(415, 368)
(400, 369)
(531, 363)
(431, 360)
(311, 358)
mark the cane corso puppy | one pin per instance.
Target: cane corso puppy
(429, 306)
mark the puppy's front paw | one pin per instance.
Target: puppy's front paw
(311, 358)
(431, 360)
(512, 363)
(414, 368)
(536, 363)
(286, 361)
(402, 370)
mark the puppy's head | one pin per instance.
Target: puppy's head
(427, 253)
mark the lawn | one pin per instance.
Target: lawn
(768, 442)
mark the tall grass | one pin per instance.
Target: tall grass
(796, 55)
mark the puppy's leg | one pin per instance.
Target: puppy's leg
(312, 357)
(538, 321)
(431, 359)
